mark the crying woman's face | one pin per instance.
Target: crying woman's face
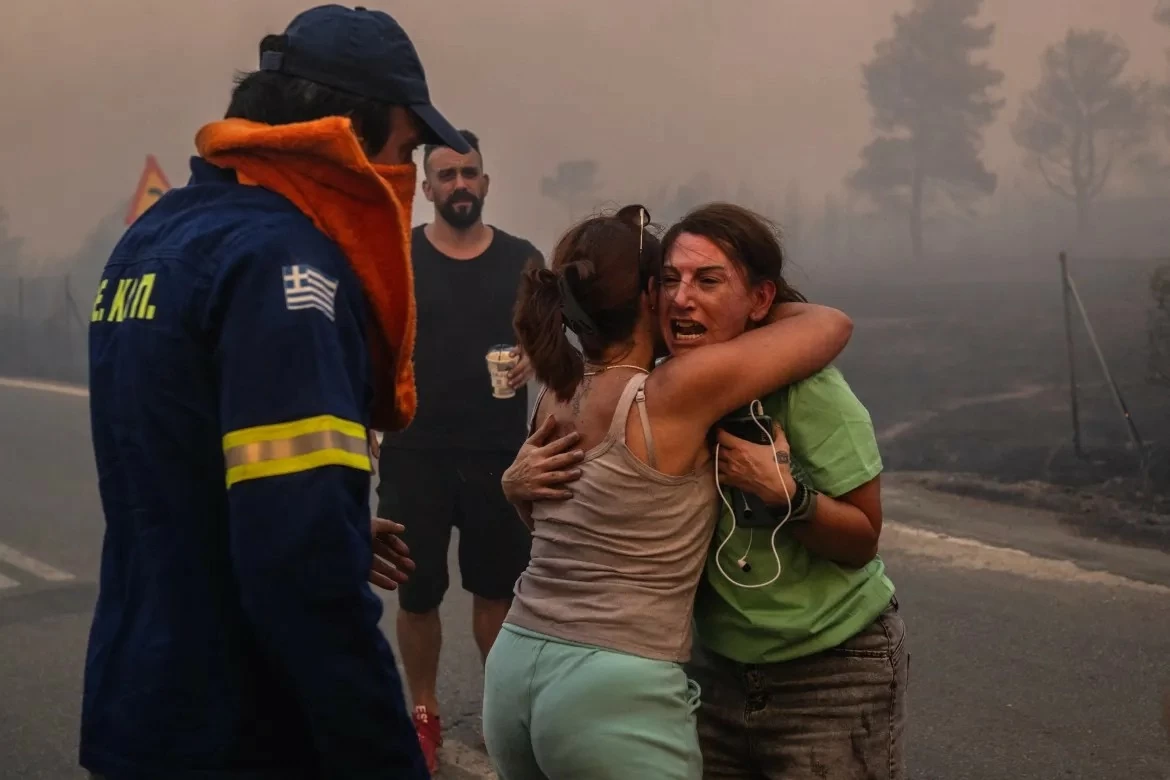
(704, 296)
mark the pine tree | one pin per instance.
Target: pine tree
(1083, 117)
(931, 102)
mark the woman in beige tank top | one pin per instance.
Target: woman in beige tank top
(585, 680)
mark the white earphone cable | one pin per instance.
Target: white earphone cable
(788, 515)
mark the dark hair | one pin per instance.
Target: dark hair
(471, 138)
(279, 99)
(750, 240)
(593, 286)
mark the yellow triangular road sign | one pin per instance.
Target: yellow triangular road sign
(151, 186)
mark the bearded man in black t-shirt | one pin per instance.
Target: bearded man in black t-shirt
(444, 470)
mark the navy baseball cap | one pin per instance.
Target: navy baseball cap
(366, 53)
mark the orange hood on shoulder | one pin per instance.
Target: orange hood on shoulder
(366, 209)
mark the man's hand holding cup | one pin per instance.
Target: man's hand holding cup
(508, 368)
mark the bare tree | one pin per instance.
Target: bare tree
(1083, 118)
(931, 103)
(574, 182)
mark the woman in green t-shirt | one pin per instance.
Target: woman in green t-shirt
(804, 663)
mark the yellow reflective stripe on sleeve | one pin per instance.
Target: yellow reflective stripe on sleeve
(301, 445)
(288, 430)
(313, 460)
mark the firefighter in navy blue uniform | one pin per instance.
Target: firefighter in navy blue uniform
(247, 332)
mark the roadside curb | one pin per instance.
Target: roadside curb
(1040, 533)
(1089, 508)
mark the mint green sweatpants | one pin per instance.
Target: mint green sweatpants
(557, 710)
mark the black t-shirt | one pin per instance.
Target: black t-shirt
(464, 309)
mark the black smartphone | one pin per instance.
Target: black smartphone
(747, 428)
(750, 510)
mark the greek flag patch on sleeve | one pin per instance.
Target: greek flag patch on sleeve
(307, 288)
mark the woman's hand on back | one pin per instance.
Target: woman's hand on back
(543, 468)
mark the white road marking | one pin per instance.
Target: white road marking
(32, 565)
(957, 404)
(956, 551)
(466, 759)
(45, 387)
(964, 553)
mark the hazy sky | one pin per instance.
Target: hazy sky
(766, 91)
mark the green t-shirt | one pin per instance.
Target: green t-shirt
(815, 604)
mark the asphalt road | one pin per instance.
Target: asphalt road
(1042, 662)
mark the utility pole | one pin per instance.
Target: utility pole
(1131, 428)
(1072, 366)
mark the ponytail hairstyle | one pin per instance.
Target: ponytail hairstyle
(593, 286)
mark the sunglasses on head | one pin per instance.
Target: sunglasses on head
(636, 215)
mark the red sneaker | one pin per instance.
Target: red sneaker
(430, 736)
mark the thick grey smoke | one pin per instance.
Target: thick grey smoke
(959, 349)
(756, 94)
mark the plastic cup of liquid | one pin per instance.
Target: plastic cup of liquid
(501, 359)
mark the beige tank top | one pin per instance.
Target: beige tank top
(617, 565)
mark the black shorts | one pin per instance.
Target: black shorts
(430, 492)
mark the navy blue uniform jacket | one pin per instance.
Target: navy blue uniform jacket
(235, 634)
